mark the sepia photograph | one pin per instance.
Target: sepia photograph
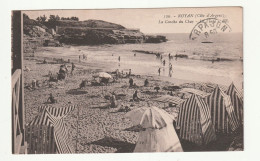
(139, 80)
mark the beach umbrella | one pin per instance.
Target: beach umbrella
(159, 134)
(102, 75)
(194, 121)
(169, 99)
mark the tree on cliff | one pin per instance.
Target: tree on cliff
(54, 18)
(71, 18)
(41, 19)
(25, 16)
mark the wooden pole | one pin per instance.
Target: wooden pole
(77, 131)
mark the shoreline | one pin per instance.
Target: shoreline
(191, 75)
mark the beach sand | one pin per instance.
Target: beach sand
(101, 129)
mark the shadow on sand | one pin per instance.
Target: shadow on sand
(121, 146)
(136, 128)
(101, 106)
(221, 144)
(76, 92)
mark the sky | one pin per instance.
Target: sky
(147, 20)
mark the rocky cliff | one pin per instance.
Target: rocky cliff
(89, 32)
(101, 32)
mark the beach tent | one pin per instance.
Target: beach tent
(159, 134)
(237, 101)
(194, 91)
(194, 121)
(169, 99)
(222, 111)
(53, 117)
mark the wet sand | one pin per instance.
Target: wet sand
(101, 129)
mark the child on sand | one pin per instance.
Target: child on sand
(52, 99)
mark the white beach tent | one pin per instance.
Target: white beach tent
(222, 111)
(159, 134)
(194, 121)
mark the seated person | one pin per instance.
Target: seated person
(52, 99)
(113, 102)
(135, 96)
(146, 82)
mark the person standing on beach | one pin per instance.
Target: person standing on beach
(146, 82)
(170, 70)
(159, 71)
(119, 58)
(163, 62)
(79, 58)
(72, 68)
(130, 72)
(131, 82)
(66, 68)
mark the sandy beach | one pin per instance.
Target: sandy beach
(100, 129)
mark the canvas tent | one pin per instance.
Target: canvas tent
(194, 121)
(159, 134)
(194, 91)
(53, 117)
(237, 101)
(222, 111)
(169, 99)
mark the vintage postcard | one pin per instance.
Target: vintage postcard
(127, 80)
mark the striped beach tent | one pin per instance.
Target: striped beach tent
(222, 111)
(194, 121)
(237, 101)
(169, 99)
(194, 91)
(53, 117)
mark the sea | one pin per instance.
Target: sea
(228, 46)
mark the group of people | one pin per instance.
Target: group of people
(119, 74)
(114, 103)
(63, 72)
(84, 57)
(170, 65)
